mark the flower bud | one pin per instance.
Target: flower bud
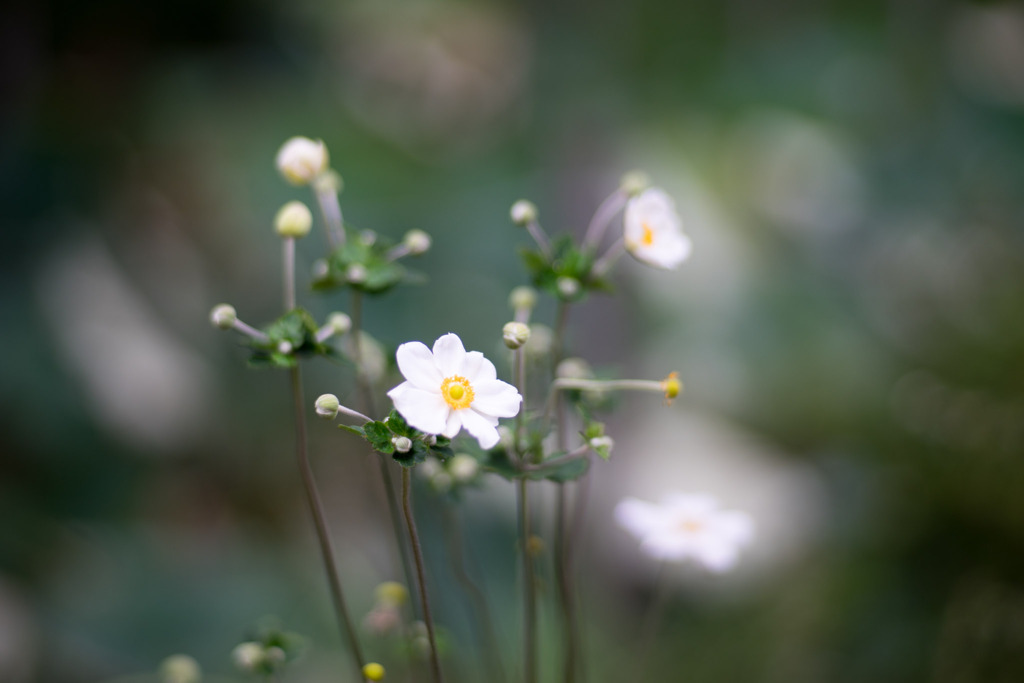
(368, 237)
(463, 468)
(523, 212)
(339, 323)
(300, 160)
(285, 347)
(402, 444)
(574, 368)
(522, 298)
(247, 656)
(223, 316)
(417, 242)
(356, 273)
(373, 671)
(391, 593)
(274, 655)
(602, 442)
(430, 439)
(293, 220)
(568, 287)
(320, 269)
(671, 386)
(635, 182)
(327, 406)
(180, 669)
(515, 334)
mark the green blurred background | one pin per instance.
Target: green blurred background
(850, 327)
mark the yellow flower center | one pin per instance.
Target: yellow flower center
(457, 392)
(671, 386)
(648, 236)
(690, 526)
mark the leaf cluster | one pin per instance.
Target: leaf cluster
(380, 434)
(381, 273)
(296, 327)
(566, 260)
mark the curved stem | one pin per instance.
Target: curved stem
(320, 522)
(289, 273)
(417, 553)
(612, 204)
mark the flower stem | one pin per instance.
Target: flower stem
(603, 217)
(320, 522)
(330, 209)
(655, 614)
(417, 553)
(529, 587)
(289, 273)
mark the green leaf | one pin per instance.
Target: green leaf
(567, 471)
(498, 461)
(397, 424)
(353, 430)
(379, 436)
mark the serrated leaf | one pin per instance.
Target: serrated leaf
(379, 436)
(397, 424)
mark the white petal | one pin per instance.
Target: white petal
(476, 368)
(416, 363)
(482, 427)
(496, 398)
(449, 354)
(717, 556)
(688, 505)
(424, 410)
(637, 516)
(734, 527)
(453, 424)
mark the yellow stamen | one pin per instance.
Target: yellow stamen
(648, 237)
(691, 526)
(671, 386)
(457, 392)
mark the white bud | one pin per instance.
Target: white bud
(300, 160)
(180, 669)
(523, 212)
(602, 442)
(430, 439)
(522, 298)
(540, 341)
(339, 323)
(403, 444)
(368, 237)
(515, 334)
(568, 286)
(247, 656)
(293, 220)
(574, 368)
(356, 273)
(327, 406)
(417, 242)
(635, 182)
(463, 467)
(223, 316)
(285, 347)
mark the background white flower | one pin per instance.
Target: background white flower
(687, 527)
(449, 388)
(653, 231)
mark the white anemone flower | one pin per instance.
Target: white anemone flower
(653, 232)
(447, 389)
(687, 527)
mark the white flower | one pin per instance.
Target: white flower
(300, 160)
(687, 527)
(653, 230)
(447, 389)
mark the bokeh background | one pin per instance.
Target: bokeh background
(850, 327)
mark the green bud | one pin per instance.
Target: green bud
(635, 182)
(327, 406)
(293, 220)
(180, 669)
(515, 334)
(223, 316)
(339, 323)
(568, 287)
(522, 298)
(403, 444)
(417, 242)
(247, 656)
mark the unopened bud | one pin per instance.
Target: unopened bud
(327, 406)
(523, 212)
(635, 182)
(300, 160)
(417, 242)
(463, 467)
(247, 656)
(568, 287)
(515, 334)
(320, 269)
(373, 671)
(293, 220)
(522, 298)
(285, 347)
(430, 439)
(223, 316)
(180, 669)
(429, 468)
(602, 442)
(368, 237)
(339, 323)
(574, 368)
(402, 444)
(391, 593)
(274, 655)
(356, 273)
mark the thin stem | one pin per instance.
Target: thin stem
(605, 262)
(603, 217)
(648, 631)
(250, 331)
(519, 371)
(417, 553)
(482, 613)
(289, 273)
(354, 413)
(529, 586)
(320, 522)
(330, 209)
(577, 454)
(539, 236)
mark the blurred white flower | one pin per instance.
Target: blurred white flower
(300, 160)
(687, 526)
(447, 389)
(653, 231)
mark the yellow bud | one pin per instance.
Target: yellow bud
(373, 671)
(391, 593)
(672, 386)
(293, 220)
(300, 160)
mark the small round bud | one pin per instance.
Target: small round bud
(540, 341)
(417, 242)
(328, 181)
(635, 182)
(223, 316)
(463, 467)
(356, 273)
(247, 656)
(327, 406)
(368, 237)
(300, 160)
(293, 220)
(274, 655)
(403, 444)
(671, 386)
(568, 286)
(430, 439)
(523, 212)
(515, 334)
(180, 669)
(523, 298)
(285, 347)
(602, 442)
(373, 671)
(339, 323)
(391, 593)
(574, 368)
(320, 269)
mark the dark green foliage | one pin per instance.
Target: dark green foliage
(380, 434)
(567, 260)
(296, 327)
(381, 274)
